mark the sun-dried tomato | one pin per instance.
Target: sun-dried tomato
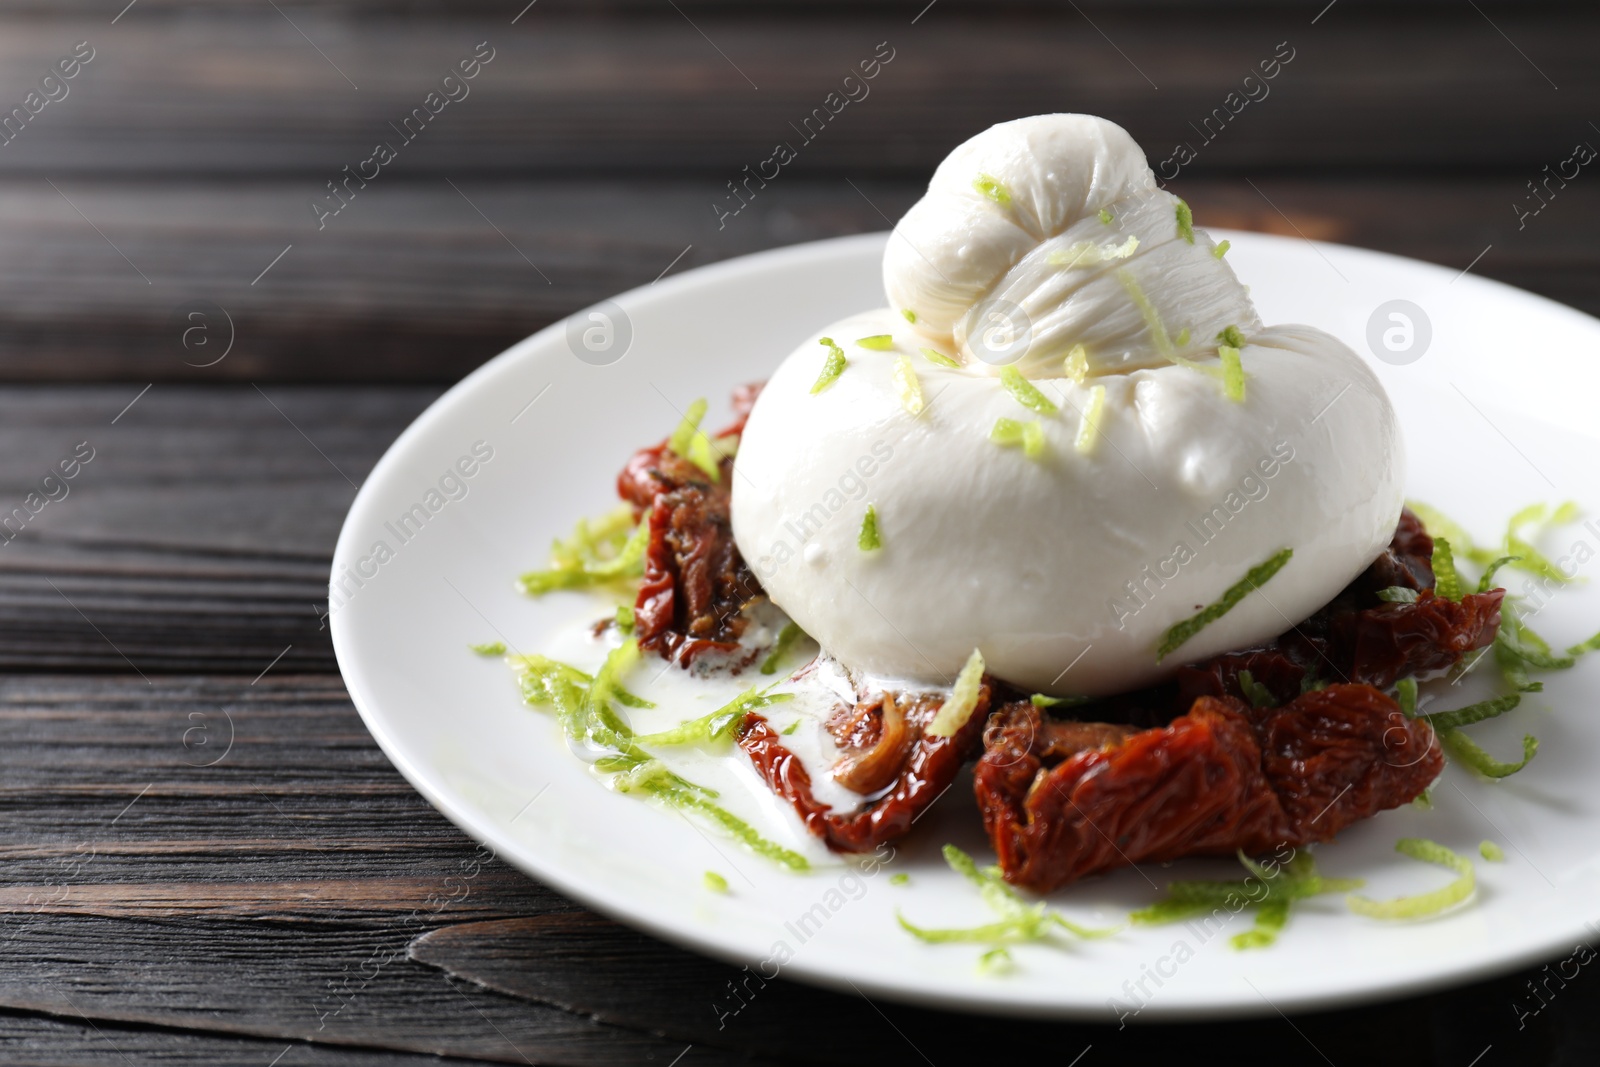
(696, 584)
(1220, 778)
(915, 779)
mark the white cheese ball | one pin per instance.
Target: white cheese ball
(1067, 568)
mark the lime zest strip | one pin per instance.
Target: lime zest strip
(1090, 254)
(878, 342)
(1446, 582)
(1483, 709)
(1025, 392)
(1421, 905)
(489, 648)
(611, 550)
(1221, 249)
(907, 385)
(1076, 365)
(962, 701)
(1105, 216)
(1010, 433)
(990, 187)
(719, 725)
(687, 427)
(1232, 373)
(935, 356)
(868, 540)
(1185, 219)
(832, 367)
(909, 315)
(1019, 922)
(1089, 427)
(787, 636)
(1256, 577)
(1467, 751)
(1491, 852)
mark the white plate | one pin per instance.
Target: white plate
(1499, 412)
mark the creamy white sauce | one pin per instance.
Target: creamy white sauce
(680, 695)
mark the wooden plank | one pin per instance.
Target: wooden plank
(37, 1040)
(267, 887)
(245, 91)
(198, 535)
(411, 283)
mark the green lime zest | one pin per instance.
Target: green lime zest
(1406, 696)
(1105, 216)
(1422, 905)
(1019, 921)
(1089, 426)
(1590, 645)
(583, 709)
(791, 728)
(1483, 709)
(715, 882)
(937, 357)
(1076, 365)
(1254, 578)
(1486, 582)
(1090, 254)
(1283, 884)
(625, 618)
(787, 636)
(1258, 695)
(1446, 582)
(1232, 373)
(1398, 594)
(687, 428)
(832, 367)
(868, 540)
(1467, 751)
(1025, 392)
(720, 725)
(1491, 852)
(610, 549)
(1221, 249)
(1185, 219)
(1516, 638)
(1271, 918)
(1147, 311)
(878, 342)
(1010, 433)
(908, 386)
(962, 701)
(990, 187)
(489, 648)
(1041, 700)
(900, 879)
(996, 961)
(702, 455)
(909, 315)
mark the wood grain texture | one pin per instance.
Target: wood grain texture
(411, 283)
(246, 91)
(197, 538)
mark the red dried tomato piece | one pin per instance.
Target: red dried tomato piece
(913, 769)
(1218, 779)
(696, 584)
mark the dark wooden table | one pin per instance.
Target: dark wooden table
(206, 858)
